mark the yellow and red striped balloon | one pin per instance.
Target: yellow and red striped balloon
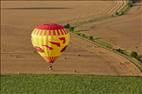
(50, 40)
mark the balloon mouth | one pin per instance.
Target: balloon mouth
(50, 60)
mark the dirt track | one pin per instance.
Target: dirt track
(18, 55)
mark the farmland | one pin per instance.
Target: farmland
(19, 19)
(69, 84)
(124, 27)
(95, 61)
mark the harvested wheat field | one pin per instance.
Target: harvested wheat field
(82, 56)
(124, 31)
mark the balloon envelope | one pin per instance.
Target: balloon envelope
(50, 40)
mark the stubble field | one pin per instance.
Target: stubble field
(19, 19)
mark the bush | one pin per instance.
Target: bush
(67, 26)
(139, 58)
(91, 37)
(109, 46)
(134, 54)
(78, 34)
(130, 4)
(72, 29)
(119, 13)
(116, 13)
(119, 50)
(83, 35)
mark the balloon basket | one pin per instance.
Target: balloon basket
(50, 67)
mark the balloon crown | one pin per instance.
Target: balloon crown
(50, 27)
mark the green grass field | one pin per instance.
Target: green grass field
(69, 84)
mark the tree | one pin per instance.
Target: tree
(120, 50)
(116, 13)
(134, 54)
(71, 28)
(91, 37)
(83, 35)
(78, 34)
(67, 26)
(119, 13)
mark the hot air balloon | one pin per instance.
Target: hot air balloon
(50, 40)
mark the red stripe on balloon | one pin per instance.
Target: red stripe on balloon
(55, 43)
(34, 31)
(40, 33)
(62, 32)
(63, 49)
(65, 31)
(54, 32)
(48, 47)
(63, 39)
(49, 32)
(37, 33)
(58, 32)
(38, 49)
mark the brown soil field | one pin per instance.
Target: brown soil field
(64, 12)
(82, 57)
(124, 31)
